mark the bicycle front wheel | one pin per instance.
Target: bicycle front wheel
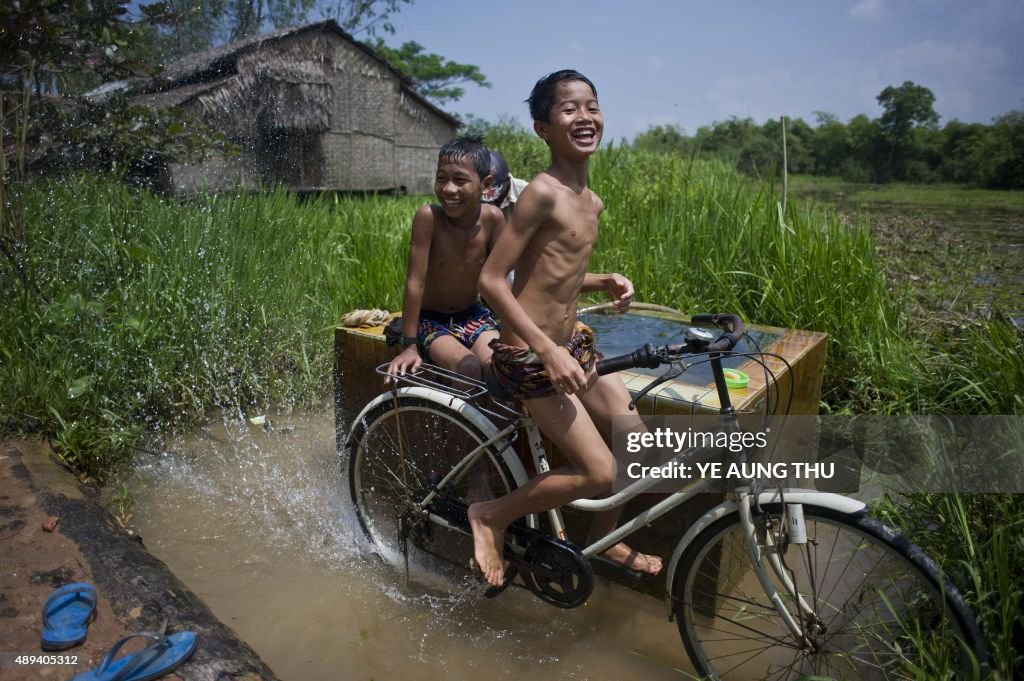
(397, 451)
(881, 609)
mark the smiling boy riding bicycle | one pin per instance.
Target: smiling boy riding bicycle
(544, 356)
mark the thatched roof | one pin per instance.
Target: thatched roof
(279, 88)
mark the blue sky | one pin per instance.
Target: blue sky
(692, 63)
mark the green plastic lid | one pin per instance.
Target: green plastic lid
(734, 378)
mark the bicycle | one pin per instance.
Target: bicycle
(770, 583)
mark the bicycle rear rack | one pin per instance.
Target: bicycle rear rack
(456, 385)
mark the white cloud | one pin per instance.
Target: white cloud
(868, 10)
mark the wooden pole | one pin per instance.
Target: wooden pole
(785, 167)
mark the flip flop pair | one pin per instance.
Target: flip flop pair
(66, 616)
(163, 655)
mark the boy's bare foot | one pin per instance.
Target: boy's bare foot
(631, 559)
(488, 541)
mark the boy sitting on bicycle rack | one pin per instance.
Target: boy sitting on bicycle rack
(442, 316)
(545, 357)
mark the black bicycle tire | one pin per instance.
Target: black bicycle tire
(371, 419)
(956, 608)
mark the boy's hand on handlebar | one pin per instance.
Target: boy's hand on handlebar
(408, 360)
(621, 291)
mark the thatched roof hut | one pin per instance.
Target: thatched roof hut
(311, 108)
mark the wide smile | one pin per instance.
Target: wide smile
(584, 136)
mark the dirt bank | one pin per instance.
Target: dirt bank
(136, 591)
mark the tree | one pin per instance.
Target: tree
(54, 42)
(432, 75)
(830, 145)
(368, 16)
(960, 143)
(1001, 153)
(61, 49)
(866, 162)
(195, 25)
(905, 107)
(665, 139)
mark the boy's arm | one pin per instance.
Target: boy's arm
(415, 278)
(533, 209)
(618, 287)
(497, 222)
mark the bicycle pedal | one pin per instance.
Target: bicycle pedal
(495, 591)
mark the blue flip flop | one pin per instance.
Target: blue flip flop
(163, 656)
(66, 616)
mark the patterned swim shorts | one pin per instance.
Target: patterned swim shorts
(465, 326)
(519, 373)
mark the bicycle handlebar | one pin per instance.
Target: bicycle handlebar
(646, 357)
(650, 357)
(730, 323)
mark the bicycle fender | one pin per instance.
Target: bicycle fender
(471, 413)
(807, 497)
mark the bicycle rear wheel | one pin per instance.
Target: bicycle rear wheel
(397, 452)
(883, 609)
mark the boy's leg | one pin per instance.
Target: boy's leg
(479, 484)
(448, 352)
(607, 397)
(565, 421)
(481, 348)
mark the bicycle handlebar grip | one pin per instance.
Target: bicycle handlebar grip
(645, 356)
(613, 364)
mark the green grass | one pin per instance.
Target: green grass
(980, 541)
(152, 312)
(903, 193)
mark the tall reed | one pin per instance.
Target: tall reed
(152, 311)
(698, 237)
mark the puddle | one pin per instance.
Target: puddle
(256, 521)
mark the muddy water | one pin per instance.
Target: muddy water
(255, 520)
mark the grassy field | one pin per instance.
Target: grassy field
(953, 255)
(849, 195)
(150, 312)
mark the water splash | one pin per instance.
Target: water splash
(257, 520)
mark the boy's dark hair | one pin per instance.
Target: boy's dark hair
(471, 147)
(542, 97)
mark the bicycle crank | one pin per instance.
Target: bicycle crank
(554, 570)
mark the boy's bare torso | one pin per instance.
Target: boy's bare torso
(553, 265)
(457, 255)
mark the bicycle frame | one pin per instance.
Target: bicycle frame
(502, 440)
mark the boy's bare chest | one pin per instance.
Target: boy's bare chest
(573, 227)
(452, 249)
